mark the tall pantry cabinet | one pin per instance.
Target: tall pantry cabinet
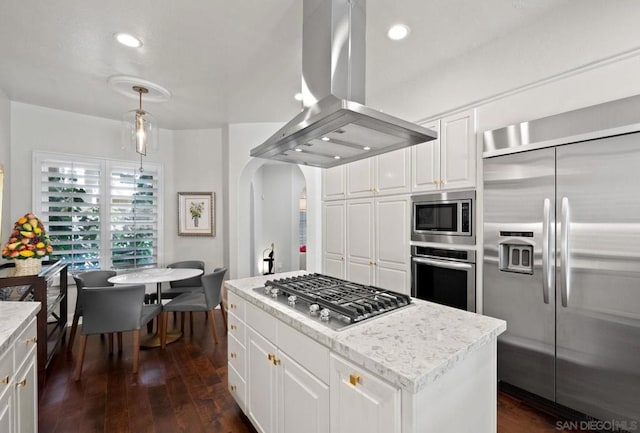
(367, 203)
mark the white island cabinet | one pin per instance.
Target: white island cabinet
(424, 368)
(18, 367)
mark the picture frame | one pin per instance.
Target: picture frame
(196, 214)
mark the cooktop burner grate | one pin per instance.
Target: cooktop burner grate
(344, 300)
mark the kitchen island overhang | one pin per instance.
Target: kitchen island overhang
(434, 355)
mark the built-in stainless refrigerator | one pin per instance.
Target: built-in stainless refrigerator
(562, 257)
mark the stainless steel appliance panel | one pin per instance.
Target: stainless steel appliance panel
(519, 216)
(445, 217)
(598, 275)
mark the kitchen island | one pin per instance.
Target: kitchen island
(422, 368)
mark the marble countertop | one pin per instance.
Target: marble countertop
(14, 316)
(410, 347)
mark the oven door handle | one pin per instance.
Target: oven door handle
(443, 263)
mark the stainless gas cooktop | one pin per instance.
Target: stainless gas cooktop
(332, 301)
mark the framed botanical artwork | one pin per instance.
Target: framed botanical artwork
(196, 214)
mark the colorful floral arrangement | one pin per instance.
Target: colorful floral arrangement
(28, 240)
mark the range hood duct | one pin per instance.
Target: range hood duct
(335, 127)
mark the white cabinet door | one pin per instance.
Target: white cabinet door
(261, 383)
(393, 172)
(6, 409)
(425, 163)
(26, 395)
(333, 238)
(392, 233)
(360, 402)
(303, 400)
(360, 181)
(360, 241)
(333, 183)
(458, 150)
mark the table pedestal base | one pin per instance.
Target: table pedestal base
(153, 341)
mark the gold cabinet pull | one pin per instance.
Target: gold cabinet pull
(276, 361)
(22, 383)
(436, 182)
(31, 340)
(233, 327)
(232, 305)
(354, 379)
(233, 355)
(270, 356)
(4, 380)
(232, 388)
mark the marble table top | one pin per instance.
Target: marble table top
(14, 316)
(410, 347)
(155, 275)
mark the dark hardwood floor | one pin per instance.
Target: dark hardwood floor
(180, 389)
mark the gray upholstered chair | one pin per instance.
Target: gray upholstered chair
(114, 309)
(207, 301)
(88, 279)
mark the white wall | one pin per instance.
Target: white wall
(38, 128)
(5, 157)
(198, 163)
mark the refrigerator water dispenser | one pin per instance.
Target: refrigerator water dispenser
(515, 255)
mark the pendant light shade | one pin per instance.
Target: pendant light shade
(140, 130)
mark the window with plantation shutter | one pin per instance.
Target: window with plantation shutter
(99, 213)
(133, 204)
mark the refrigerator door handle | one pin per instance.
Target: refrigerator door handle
(564, 253)
(547, 271)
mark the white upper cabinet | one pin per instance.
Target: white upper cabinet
(450, 161)
(425, 163)
(393, 172)
(458, 150)
(334, 183)
(360, 178)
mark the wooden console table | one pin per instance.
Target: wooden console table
(52, 318)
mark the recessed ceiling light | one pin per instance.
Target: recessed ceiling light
(336, 157)
(398, 32)
(298, 96)
(298, 149)
(325, 139)
(366, 148)
(128, 40)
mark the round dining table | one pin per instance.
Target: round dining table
(158, 276)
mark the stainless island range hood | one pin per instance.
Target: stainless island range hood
(335, 127)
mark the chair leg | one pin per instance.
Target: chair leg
(212, 323)
(83, 347)
(72, 333)
(136, 350)
(119, 341)
(191, 321)
(163, 321)
(224, 315)
(110, 343)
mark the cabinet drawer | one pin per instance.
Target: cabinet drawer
(236, 354)
(237, 387)
(237, 328)
(236, 305)
(25, 342)
(6, 369)
(309, 354)
(261, 322)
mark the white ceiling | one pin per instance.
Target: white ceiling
(223, 61)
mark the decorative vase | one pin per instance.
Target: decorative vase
(29, 266)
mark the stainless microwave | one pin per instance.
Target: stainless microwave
(446, 217)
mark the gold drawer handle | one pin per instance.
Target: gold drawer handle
(23, 383)
(233, 327)
(232, 387)
(354, 379)
(4, 380)
(31, 340)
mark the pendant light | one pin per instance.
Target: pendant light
(140, 127)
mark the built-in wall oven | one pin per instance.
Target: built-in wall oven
(446, 217)
(444, 275)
